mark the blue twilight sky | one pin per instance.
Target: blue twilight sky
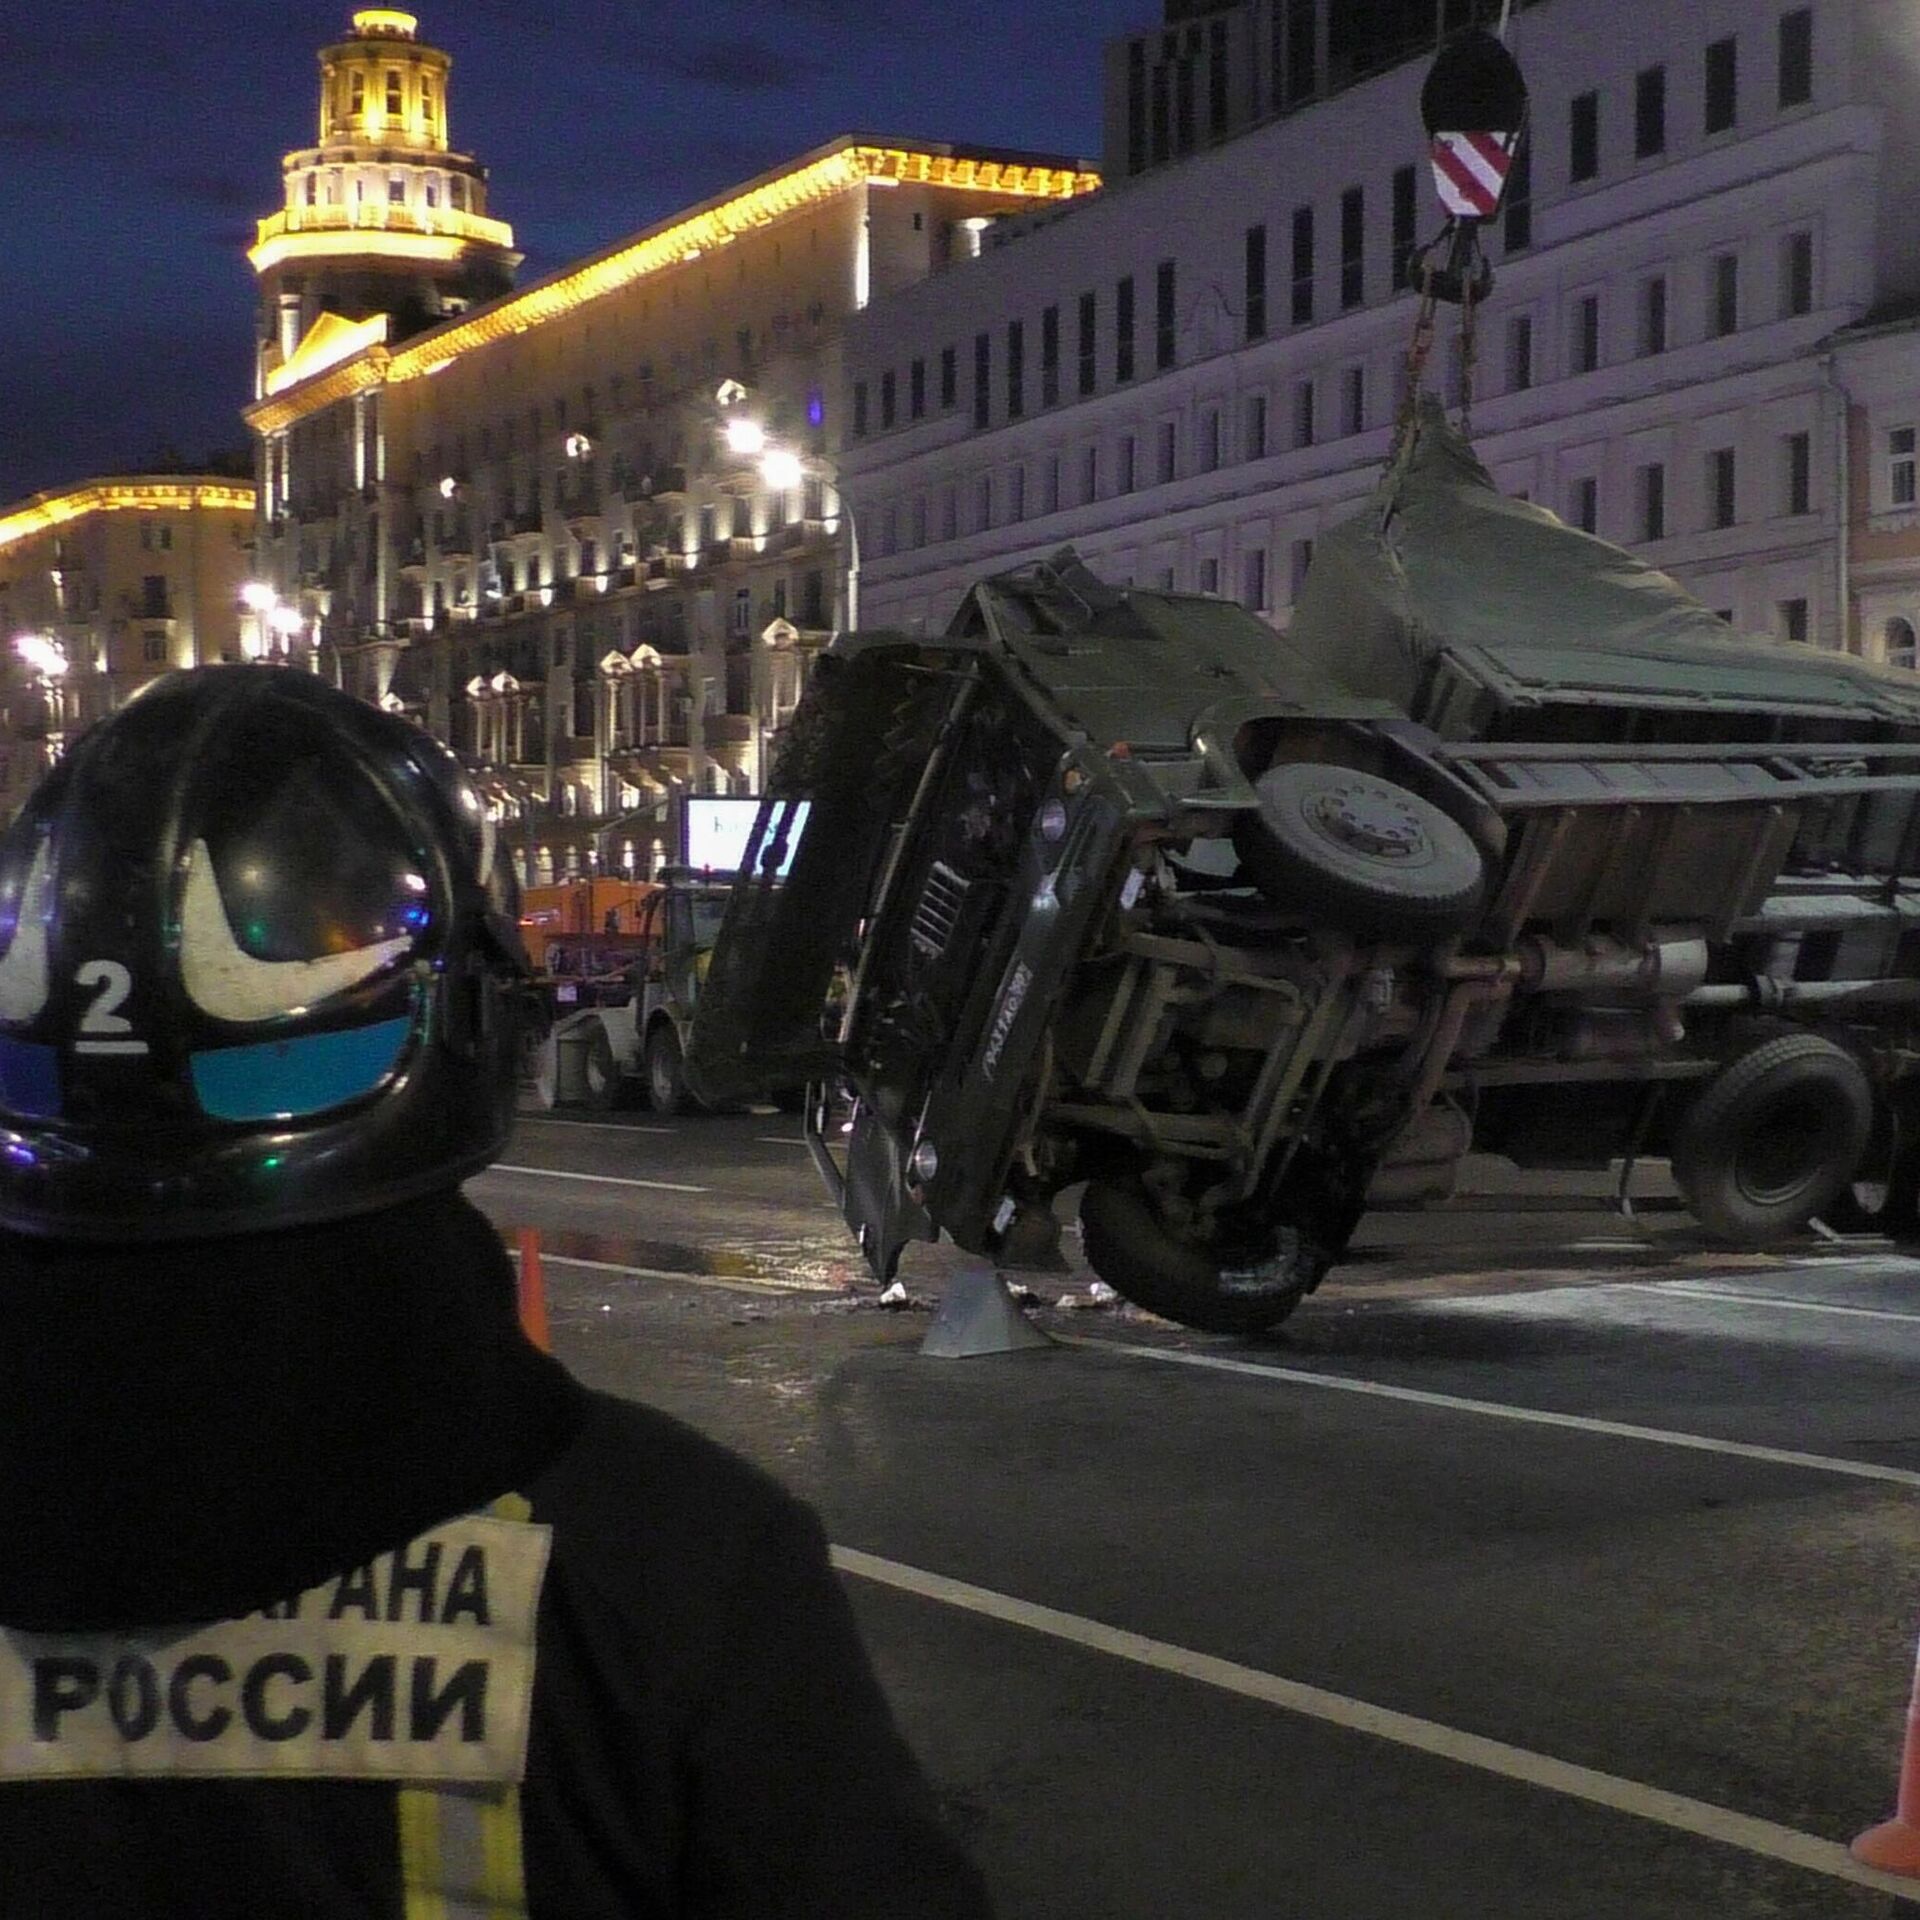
(139, 139)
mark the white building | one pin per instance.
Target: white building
(1191, 374)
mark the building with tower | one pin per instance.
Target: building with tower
(525, 524)
(383, 220)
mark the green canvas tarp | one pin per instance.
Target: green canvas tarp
(1464, 607)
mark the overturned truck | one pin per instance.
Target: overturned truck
(1507, 845)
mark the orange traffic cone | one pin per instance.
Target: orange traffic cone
(1894, 1845)
(533, 1290)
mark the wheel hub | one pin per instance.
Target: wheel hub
(1367, 821)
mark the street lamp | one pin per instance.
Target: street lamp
(46, 659)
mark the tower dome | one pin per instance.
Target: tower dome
(382, 216)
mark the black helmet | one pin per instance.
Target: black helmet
(259, 967)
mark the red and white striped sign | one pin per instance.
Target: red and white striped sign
(1470, 170)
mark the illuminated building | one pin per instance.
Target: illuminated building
(1699, 344)
(382, 217)
(523, 526)
(104, 587)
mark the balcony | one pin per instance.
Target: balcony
(665, 483)
(378, 216)
(414, 560)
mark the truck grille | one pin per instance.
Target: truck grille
(937, 918)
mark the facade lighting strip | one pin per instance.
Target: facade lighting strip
(681, 240)
(48, 510)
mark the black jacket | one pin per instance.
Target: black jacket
(192, 1435)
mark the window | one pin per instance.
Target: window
(742, 622)
(1903, 466)
(1899, 644)
(1303, 413)
(1793, 620)
(949, 377)
(1406, 214)
(1050, 485)
(397, 190)
(1050, 356)
(1583, 506)
(1253, 580)
(917, 390)
(1090, 475)
(1649, 113)
(1583, 138)
(1303, 267)
(1796, 57)
(859, 408)
(1169, 452)
(1256, 283)
(1519, 213)
(1089, 343)
(1586, 333)
(983, 502)
(1723, 295)
(1653, 314)
(889, 391)
(357, 97)
(1017, 494)
(1209, 573)
(1016, 369)
(1653, 501)
(1723, 87)
(1301, 561)
(1353, 247)
(982, 379)
(1253, 429)
(1165, 316)
(1520, 353)
(393, 95)
(1353, 400)
(1796, 472)
(1123, 329)
(1796, 275)
(1209, 440)
(1128, 477)
(1720, 488)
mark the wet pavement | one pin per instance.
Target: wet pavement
(1546, 1563)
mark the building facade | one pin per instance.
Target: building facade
(1191, 375)
(528, 526)
(104, 587)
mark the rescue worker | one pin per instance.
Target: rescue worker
(324, 1592)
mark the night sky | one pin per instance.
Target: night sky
(140, 139)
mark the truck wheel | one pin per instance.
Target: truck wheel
(1363, 852)
(666, 1073)
(1132, 1249)
(601, 1071)
(1772, 1138)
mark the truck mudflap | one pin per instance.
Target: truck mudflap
(759, 1026)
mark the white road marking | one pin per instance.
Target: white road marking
(731, 1283)
(779, 1139)
(1673, 1810)
(1687, 1290)
(591, 1179)
(587, 1126)
(1500, 1410)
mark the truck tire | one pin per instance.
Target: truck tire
(1335, 843)
(600, 1071)
(1131, 1248)
(667, 1085)
(1772, 1138)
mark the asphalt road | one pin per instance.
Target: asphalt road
(1548, 1564)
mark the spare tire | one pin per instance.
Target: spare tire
(1772, 1138)
(1332, 842)
(1134, 1251)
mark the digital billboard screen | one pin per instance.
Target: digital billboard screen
(717, 831)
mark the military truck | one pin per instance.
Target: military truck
(1506, 844)
(622, 1004)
